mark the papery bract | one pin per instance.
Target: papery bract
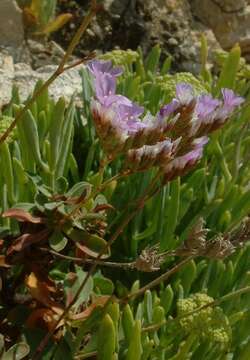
(180, 165)
(147, 156)
(184, 93)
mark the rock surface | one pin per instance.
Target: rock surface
(174, 24)
(11, 26)
(132, 23)
(229, 20)
(25, 78)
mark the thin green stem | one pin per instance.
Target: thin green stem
(120, 265)
(85, 356)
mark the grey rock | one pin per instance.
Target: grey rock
(11, 27)
(228, 19)
(6, 77)
(23, 76)
(131, 23)
(49, 53)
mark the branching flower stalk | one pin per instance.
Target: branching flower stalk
(62, 67)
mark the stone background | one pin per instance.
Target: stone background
(174, 24)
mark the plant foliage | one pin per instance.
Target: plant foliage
(61, 204)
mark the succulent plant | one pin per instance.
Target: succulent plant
(63, 201)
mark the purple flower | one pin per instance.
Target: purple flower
(184, 96)
(128, 115)
(116, 121)
(231, 100)
(105, 86)
(184, 93)
(210, 114)
(123, 114)
(168, 110)
(103, 67)
(205, 107)
(108, 127)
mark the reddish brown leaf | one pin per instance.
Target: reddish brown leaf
(26, 240)
(86, 251)
(103, 207)
(23, 216)
(41, 318)
(3, 262)
(41, 291)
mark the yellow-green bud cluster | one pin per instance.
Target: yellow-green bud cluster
(121, 57)
(168, 83)
(209, 323)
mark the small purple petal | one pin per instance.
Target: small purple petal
(134, 125)
(104, 67)
(128, 116)
(184, 93)
(182, 164)
(192, 157)
(105, 85)
(117, 71)
(231, 100)
(116, 100)
(206, 106)
(132, 111)
(168, 109)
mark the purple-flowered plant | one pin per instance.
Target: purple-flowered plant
(173, 139)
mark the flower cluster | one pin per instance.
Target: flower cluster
(209, 323)
(173, 139)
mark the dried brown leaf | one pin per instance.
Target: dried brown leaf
(41, 318)
(41, 291)
(23, 216)
(26, 240)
